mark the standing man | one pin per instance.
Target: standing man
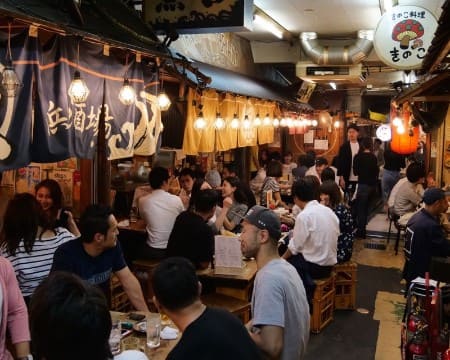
(347, 151)
(208, 333)
(280, 324)
(425, 238)
(159, 211)
(97, 254)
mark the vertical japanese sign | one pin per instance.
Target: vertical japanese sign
(403, 36)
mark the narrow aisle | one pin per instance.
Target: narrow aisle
(372, 331)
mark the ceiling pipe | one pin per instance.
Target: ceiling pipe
(337, 55)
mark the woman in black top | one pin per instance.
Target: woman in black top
(366, 168)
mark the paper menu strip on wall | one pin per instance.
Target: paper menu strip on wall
(227, 251)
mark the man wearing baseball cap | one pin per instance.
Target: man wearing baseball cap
(280, 324)
(425, 237)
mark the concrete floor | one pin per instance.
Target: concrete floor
(372, 331)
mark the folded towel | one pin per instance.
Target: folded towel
(169, 333)
(124, 223)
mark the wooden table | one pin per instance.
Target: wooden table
(238, 285)
(138, 226)
(159, 353)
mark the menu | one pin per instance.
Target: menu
(227, 256)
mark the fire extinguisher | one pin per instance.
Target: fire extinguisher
(418, 347)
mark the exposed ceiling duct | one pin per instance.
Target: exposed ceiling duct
(337, 55)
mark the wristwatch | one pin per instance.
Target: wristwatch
(28, 357)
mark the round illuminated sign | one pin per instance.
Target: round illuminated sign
(384, 132)
(403, 36)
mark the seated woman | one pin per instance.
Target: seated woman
(232, 189)
(49, 195)
(330, 195)
(271, 183)
(14, 315)
(29, 240)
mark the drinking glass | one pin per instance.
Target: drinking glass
(153, 330)
(115, 336)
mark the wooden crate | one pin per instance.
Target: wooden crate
(323, 304)
(346, 280)
(119, 299)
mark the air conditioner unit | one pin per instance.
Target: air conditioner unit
(322, 73)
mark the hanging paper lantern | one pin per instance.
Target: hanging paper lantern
(404, 142)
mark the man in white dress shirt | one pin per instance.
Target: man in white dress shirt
(159, 211)
(315, 232)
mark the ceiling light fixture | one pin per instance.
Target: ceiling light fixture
(162, 98)
(333, 85)
(78, 90)
(219, 123)
(235, 122)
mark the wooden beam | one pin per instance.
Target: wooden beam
(408, 95)
(432, 98)
(440, 58)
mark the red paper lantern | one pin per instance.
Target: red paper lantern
(404, 143)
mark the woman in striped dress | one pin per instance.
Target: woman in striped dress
(28, 241)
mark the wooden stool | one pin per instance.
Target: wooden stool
(238, 307)
(346, 279)
(323, 303)
(140, 267)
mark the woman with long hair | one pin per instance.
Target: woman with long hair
(330, 195)
(273, 173)
(232, 192)
(28, 240)
(49, 195)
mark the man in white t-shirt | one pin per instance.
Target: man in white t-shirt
(159, 211)
(280, 323)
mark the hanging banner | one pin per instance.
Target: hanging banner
(66, 129)
(15, 110)
(403, 36)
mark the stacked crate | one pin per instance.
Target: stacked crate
(346, 279)
(119, 299)
(323, 303)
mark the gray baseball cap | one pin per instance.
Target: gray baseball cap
(264, 219)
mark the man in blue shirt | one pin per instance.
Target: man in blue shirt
(97, 254)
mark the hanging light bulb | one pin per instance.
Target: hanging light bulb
(78, 90)
(246, 123)
(276, 122)
(266, 121)
(10, 80)
(289, 122)
(337, 124)
(283, 122)
(219, 123)
(314, 123)
(257, 121)
(200, 123)
(127, 95)
(235, 122)
(400, 129)
(163, 101)
(396, 122)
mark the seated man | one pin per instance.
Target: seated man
(409, 194)
(186, 180)
(191, 236)
(280, 324)
(425, 238)
(70, 320)
(159, 211)
(316, 231)
(97, 254)
(208, 333)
